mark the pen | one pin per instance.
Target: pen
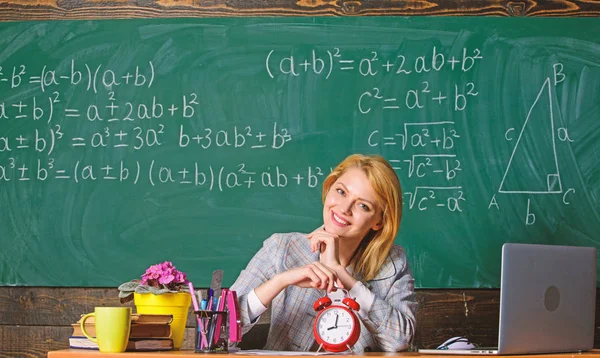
(220, 309)
(211, 329)
(196, 308)
(208, 324)
(194, 300)
(215, 303)
(209, 298)
(199, 293)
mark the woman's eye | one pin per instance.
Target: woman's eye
(364, 207)
(340, 191)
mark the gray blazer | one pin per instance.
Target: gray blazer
(390, 325)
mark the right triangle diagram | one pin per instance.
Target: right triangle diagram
(533, 165)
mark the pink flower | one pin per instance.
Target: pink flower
(164, 275)
(166, 279)
(180, 277)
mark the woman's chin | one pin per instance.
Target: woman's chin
(336, 230)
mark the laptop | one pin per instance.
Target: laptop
(547, 301)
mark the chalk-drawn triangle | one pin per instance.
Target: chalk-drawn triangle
(533, 165)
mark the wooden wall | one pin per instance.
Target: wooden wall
(15, 10)
(34, 320)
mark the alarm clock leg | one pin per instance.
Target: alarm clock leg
(319, 349)
(351, 350)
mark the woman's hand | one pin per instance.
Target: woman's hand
(328, 244)
(314, 275)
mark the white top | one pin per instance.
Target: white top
(359, 292)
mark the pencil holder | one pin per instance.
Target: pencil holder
(212, 332)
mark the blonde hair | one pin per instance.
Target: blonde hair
(375, 246)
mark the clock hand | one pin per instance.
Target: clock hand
(342, 325)
(337, 317)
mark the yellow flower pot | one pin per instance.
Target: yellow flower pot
(177, 304)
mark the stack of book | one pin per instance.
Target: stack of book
(149, 332)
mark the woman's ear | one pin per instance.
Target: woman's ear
(378, 226)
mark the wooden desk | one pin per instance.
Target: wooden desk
(85, 353)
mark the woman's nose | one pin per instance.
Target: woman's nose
(346, 207)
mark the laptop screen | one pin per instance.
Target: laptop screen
(548, 298)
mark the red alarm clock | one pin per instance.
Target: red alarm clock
(336, 326)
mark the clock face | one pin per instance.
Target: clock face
(335, 325)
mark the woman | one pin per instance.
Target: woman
(353, 249)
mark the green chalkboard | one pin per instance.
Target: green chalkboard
(125, 143)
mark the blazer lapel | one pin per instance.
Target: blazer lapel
(387, 270)
(298, 254)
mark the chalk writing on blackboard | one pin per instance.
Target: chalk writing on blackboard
(544, 176)
(89, 77)
(326, 62)
(417, 98)
(108, 120)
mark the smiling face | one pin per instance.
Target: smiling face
(351, 208)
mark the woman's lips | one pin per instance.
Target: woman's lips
(338, 220)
